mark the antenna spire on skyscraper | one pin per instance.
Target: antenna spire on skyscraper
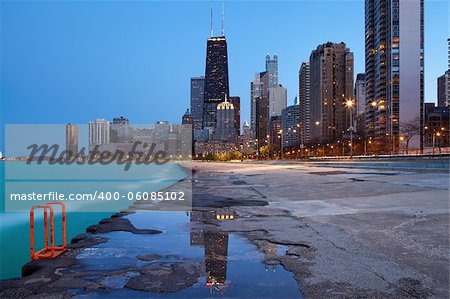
(223, 18)
(212, 30)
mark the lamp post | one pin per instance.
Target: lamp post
(438, 134)
(349, 103)
(281, 145)
(300, 140)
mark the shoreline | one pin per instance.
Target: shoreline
(91, 226)
(331, 249)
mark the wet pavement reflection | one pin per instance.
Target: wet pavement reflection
(191, 247)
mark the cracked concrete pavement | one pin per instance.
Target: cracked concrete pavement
(351, 233)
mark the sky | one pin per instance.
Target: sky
(74, 61)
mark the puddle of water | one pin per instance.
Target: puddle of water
(233, 266)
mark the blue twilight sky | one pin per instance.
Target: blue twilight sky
(74, 61)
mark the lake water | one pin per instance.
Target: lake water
(15, 226)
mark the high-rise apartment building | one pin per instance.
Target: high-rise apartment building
(331, 85)
(448, 46)
(216, 79)
(304, 101)
(443, 84)
(197, 100)
(394, 54)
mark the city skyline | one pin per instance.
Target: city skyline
(290, 57)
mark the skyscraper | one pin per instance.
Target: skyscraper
(259, 87)
(360, 94)
(304, 101)
(394, 53)
(262, 120)
(272, 68)
(236, 101)
(448, 46)
(225, 125)
(71, 140)
(443, 92)
(216, 78)
(443, 84)
(331, 79)
(216, 257)
(275, 131)
(290, 123)
(277, 100)
(197, 100)
(255, 92)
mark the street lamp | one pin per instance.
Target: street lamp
(438, 134)
(434, 135)
(349, 103)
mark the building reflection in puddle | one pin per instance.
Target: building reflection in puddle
(215, 243)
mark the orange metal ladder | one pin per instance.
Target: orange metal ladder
(52, 250)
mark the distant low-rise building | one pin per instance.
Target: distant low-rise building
(436, 129)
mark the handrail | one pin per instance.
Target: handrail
(52, 251)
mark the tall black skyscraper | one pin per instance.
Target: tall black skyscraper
(216, 78)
